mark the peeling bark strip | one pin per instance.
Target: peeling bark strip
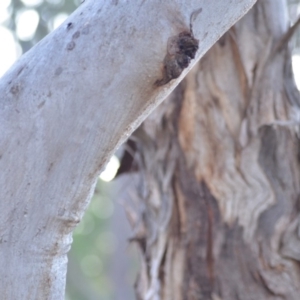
(220, 174)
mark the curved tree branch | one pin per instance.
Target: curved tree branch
(65, 106)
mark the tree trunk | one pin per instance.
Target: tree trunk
(68, 103)
(219, 166)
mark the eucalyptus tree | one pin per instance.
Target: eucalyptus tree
(68, 103)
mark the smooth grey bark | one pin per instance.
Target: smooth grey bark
(218, 199)
(65, 106)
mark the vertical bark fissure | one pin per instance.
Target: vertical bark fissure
(233, 228)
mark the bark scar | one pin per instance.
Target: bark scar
(181, 49)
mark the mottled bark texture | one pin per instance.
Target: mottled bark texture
(218, 213)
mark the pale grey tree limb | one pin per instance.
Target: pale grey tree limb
(66, 106)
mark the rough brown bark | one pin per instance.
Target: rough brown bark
(219, 165)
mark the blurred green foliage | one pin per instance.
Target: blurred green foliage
(48, 11)
(90, 256)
